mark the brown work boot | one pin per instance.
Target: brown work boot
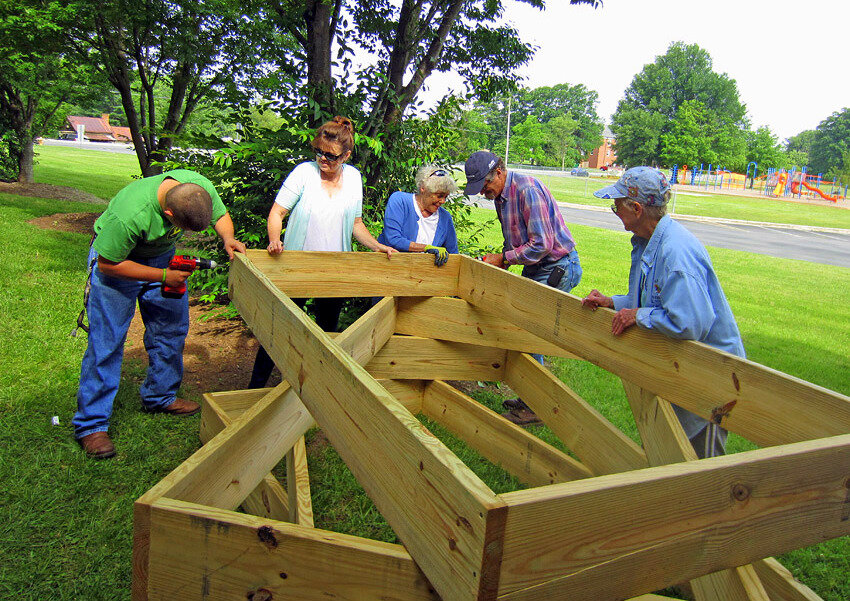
(97, 445)
(522, 417)
(181, 407)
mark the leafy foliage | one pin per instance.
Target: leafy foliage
(680, 101)
(763, 148)
(37, 77)
(831, 141)
(248, 173)
(559, 123)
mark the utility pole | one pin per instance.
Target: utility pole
(508, 135)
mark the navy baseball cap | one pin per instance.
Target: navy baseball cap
(645, 185)
(478, 165)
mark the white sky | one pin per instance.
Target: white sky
(789, 59)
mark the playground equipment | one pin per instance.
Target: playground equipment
(617, 521)
(795, 189)
(780, 184)
(774, 182)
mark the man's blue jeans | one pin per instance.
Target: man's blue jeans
(111, 304)
(541, 272)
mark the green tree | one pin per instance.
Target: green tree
(651, 105)
(842, 173)
(574, 102)
(527, 141)
(409, 40)
(37, 77)
(189, 49)
(763, 147)
(831, 141)
(802, 141)
(561, 140)
(794, 158)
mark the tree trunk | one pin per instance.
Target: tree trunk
(320, 21)
(25, 160)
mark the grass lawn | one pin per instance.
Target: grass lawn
(579, 190)
(66, 522)
(97, 172)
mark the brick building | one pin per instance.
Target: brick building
(603, 156)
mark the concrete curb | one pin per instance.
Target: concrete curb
(723, 221)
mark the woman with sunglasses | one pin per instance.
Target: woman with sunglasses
(324, 202)
(418, 222)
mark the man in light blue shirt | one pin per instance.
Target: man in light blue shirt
(672, 285)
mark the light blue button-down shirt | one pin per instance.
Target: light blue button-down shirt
(673, 285)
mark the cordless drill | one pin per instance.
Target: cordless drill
(184, 263)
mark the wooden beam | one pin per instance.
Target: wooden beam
(228, 468)
(301, 274)
(407, 392)
(455, 319)
(225, 471)
(780, 583)
(205, 554)
(769, 408)
(738, 508)
(450, 521)
(665, 442)
(298, 485)
(411, 357)
(269, 499)
(524, 455)
(602, 447)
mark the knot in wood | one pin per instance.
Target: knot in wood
(741, 492)
(266, 536)
(261, 594)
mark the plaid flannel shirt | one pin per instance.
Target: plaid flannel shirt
(532, 225)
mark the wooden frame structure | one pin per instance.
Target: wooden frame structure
(611, 520)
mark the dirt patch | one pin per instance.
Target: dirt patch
(79, 223)
(49, 191)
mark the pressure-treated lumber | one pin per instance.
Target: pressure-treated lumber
(770, 407)
(298, 485)
(235, 556)
(781, 583)
(525, 456)
(457, 516)
(269, 499)
(607, 537)
(603, 448)
(417, 358)
(665, 442)
(740, 508)
(307, 274)
(228, 468)
(456, 320)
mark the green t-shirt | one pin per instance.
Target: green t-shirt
(134, 226)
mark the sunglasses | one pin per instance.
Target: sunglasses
(439, 173)
(333, 158)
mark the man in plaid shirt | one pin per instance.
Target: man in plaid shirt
(535, 234)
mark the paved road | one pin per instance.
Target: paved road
(86, 145)
(814, 246)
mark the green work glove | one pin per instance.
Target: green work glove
(441, 255)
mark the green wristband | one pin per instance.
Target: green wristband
(164, 272)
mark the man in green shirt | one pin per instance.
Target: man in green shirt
(134, 241)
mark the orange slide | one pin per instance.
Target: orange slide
(795, 189)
